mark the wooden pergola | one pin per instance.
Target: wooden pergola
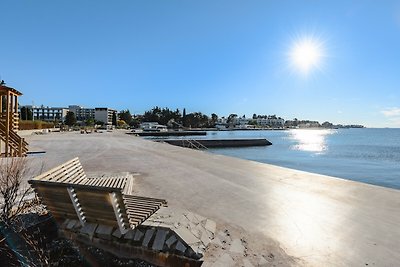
(11, 144)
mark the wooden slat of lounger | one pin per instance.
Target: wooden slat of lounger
(114, 183)
(108, 182)
(136, 221)
(69, 176)
(139, 209)
(142, 207)
(94, 182)
(140, 212)
(142, 203)
(60, 172)
(145, 198)
(119, 183)
(104, 182)
(79, 180)
(40, 177)
(122, 182)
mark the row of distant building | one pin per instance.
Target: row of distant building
(273, 121)
(248, 123)
(102, 114)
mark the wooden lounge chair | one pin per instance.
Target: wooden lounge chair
(68, 193)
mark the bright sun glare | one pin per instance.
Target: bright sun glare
(306, 54)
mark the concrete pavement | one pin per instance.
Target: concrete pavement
(319, 220)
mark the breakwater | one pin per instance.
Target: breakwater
(214, 143)
(169, 133)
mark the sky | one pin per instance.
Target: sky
(213, 56)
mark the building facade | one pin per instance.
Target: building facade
(47, 113)
(82, 114)
(104, 115)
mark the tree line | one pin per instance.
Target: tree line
(164, 116)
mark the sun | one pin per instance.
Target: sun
(306, 54)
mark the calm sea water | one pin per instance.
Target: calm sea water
(366, 155)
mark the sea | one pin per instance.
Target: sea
(367, 155)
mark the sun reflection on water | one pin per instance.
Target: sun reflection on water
(310, 140)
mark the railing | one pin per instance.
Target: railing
(14, 119)
(193, 144)
(17, 146)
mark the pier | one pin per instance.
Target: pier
(218, 143)
(168, 133)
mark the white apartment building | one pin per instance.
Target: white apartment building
(47, 113)
(81, 113)
(270, 121)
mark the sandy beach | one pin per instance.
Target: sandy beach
(287, 217)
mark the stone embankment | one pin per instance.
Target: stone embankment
(218, 143)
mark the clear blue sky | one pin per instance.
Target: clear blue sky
(209, 56)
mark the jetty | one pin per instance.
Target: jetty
(217, 143)
(168, 133)
(286, 217)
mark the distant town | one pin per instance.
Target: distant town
(162, 118)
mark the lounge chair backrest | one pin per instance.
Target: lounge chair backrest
(69, 194)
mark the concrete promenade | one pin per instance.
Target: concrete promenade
(316, 220)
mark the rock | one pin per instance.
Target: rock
(64, 224)
(147, 237)
(237, 247)
(171, 241)
(224, 261)
(72, 224)
(180, 247)
(159, 240)
(204, 239)
(138, 235)
(130, 234)
(211, 226)
(262, 262)
(186, 235)
(190, 216)
(89, 229)
(104, 231)
(117, 233)
(247, 263)
(217, 241)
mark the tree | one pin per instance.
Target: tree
(214, 119)
(184, 117)
(197, 120)
(12, 197)
(70, 119)
(114, 119)
(89, 122)
(126, 116)
(231, 118)
(13, 204)
(121, 123)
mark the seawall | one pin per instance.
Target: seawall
(214, 143)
